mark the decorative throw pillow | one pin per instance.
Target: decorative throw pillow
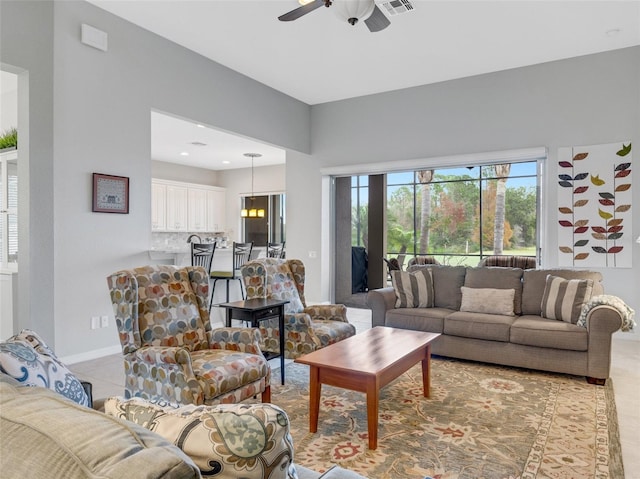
(226, 441)
(28, 359)
(413, 289)
(563, 298)
(488, 300)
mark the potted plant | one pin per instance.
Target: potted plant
(9, 139)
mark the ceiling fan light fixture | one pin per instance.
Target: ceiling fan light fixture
(353, 10)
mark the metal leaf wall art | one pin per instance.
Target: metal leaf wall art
(594, 212)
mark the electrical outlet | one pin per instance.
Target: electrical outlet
(95, 322)
(313, 254)
(104, 321)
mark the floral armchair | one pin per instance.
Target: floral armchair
(171, 353)
(307, 328)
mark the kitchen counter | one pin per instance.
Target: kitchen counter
(181, 255)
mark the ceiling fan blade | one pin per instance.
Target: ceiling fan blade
(377, 20)
(303, 10)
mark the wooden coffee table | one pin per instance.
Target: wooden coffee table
(367, 362)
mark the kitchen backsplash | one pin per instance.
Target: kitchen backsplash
(160, 240)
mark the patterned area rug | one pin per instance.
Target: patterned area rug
(482, 421)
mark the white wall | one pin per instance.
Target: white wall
(8, 101)
(188, 174)
(267, 180)
(581, 101)
(101, 124)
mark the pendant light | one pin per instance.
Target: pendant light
(252, 212)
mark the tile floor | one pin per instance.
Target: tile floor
(107, 377)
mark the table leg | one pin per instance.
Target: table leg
(373, 399)
(228, 321)
(314, 397)
(281, 327)
(426, 372)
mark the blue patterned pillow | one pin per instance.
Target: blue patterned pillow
(27, 358)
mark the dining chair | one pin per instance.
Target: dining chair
(202, 255)
(275, 250)
(241, 254)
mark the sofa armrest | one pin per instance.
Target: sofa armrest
(246, 340)
(218, 437)
(328, 312)
(602, 322)
(175, 362)
(380, 301)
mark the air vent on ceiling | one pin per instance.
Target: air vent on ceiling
(395, 7)
(198, 143)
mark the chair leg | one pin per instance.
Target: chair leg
(213, 290)
(241, 288)
(266, 394)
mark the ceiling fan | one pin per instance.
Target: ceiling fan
(353, 11)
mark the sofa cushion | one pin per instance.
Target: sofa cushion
(488, 300)
(414, 289)
(27, 358)
(534, 281)
(492, 327)
(46, 435)
(430, 320)
(226, 441)
(548, 333)
(563, 298)
(447, 281)
(497, 278)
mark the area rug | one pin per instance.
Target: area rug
(481, 422)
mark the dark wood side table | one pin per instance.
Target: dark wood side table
(256, 310)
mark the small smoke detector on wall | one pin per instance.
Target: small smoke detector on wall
(395, 7)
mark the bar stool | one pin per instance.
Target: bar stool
(241, 254)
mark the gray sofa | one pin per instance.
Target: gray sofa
(49, 430)
(525, 339)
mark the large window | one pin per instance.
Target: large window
(359, 210)
(460, 215)
(270, 228)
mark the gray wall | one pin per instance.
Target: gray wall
(101, 123)
(581, 101)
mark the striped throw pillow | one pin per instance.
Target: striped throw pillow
(563, 298)
(413, 289)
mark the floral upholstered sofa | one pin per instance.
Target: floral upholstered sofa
(48, 430)
(307, 328)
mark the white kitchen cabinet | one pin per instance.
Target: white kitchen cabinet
(158, 207)
(177, 201)
(186, 207)
(216, 201)
(197, 209)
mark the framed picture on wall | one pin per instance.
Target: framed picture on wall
(110, 194)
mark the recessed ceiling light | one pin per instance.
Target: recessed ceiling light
(184, 153)
(200, 126)
(226, 162)
(613, 32)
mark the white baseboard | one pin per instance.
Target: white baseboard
(89, 355)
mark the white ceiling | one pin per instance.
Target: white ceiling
(171, 136)
(320, 58)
